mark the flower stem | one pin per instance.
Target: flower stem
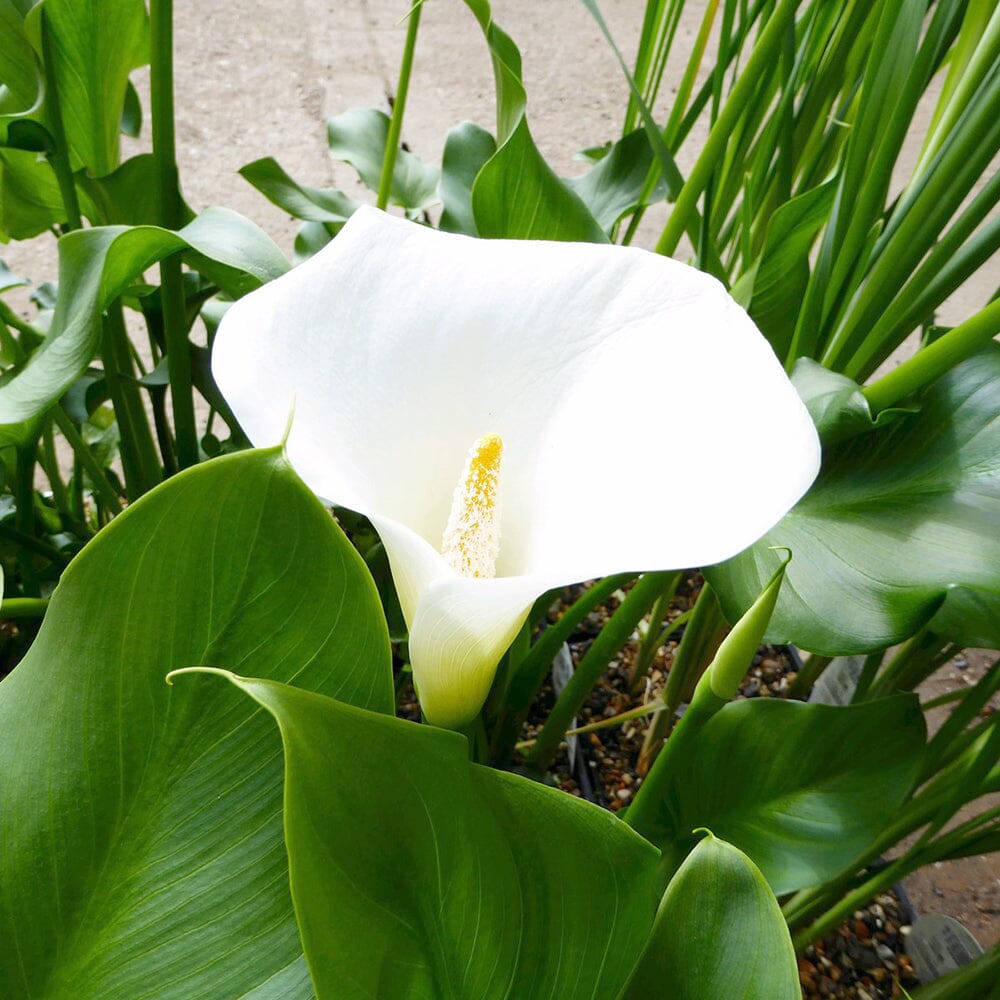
(139, 457)
(98, 479)
(935, 359)
(23, 607)
(613, 636)
(171, 289)
(399, 107)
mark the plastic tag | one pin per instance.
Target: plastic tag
(836, 685)
(939, 944)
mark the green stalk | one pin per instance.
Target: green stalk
(935, 359)
(139, 456)
(762, 55)
(398, 108)
(24, 515)
(527, 676)
(98, 478)
(59, 157)
(60, 496)
(811, 671)
(702, 636)
(655, 636)
(32, 544)
(23, 607)
(161, 82)
(613, 636)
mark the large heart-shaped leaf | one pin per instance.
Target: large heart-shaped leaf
(897, 520)
(517, 195)
(418, 874)
(719, 934)
(93, 46)
(803, 789)
(96, 266)
(140, 824)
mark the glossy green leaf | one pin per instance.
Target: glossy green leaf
(836, 403)
(310, 204)
(517, 195)
(418, 874)
(802, 789)
(30, 202)
(895, 522)
(358, 137)
(95, 44)
(141, 824)
(130, 196)
(719, 934)
(614, 186)
(782, 268)
(466, 150)
(20, 73)
(95, 267)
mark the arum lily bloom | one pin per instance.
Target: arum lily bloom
(499, 410)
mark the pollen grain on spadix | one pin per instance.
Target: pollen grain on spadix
(471, 541)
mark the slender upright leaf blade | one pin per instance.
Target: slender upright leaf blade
(141, 824)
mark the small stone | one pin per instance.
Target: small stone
(624, 794)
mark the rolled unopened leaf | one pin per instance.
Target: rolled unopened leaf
(495, 407)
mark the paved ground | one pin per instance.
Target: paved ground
(260, 79)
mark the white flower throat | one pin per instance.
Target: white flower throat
(471, 541)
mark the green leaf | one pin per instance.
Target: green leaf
(418, 874)
(803, 789)
(836, 403)
(969, 616)
(20, 73)
(466, 150)
(310, 204)
(896, 520)
(130, 196)
(30, 202)
(8, 279)
(614, 187)
(95, 44)
(782, 267)
(96, 266)
(358, 137)
(719, 933)
(517, 195)
(141, 824)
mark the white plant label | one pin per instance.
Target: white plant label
(836, 685)
(939, 944)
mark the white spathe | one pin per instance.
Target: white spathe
(646, 423)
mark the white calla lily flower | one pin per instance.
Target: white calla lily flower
(497, 409)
